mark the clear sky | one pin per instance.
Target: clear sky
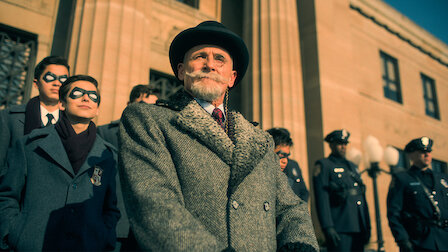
(432, 15)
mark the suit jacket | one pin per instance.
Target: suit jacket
(44, 205)
(109, 132)
(340, 197)
(410, 212)
(12, 122)
(189, 186)
(295, 179)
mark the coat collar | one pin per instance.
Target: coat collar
(242, 149)
(51, 144)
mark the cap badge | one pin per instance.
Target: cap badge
(425, 141)
(344, 134)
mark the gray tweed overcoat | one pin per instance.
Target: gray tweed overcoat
(188, 186)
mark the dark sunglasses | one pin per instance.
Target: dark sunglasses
(49, 77)
(282, 154)
(79, 92)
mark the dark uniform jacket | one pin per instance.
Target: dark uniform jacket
(44, 205)
(188, 186)
(340, 196)
(12, 123)
(109, 132)
(295, 179)
(412, 215)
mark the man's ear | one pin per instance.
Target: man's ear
(232, 79)
(180, 71)
(61, 105)
(35, 81)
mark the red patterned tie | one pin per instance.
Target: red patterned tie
(219, 117)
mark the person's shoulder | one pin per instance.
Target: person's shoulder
(20, 108)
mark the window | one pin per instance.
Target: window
(192, 3)
(17, 58)
(164, 85)
(391, 79)
(439, 166)
(430, 97)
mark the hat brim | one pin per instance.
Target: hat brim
(210, 35)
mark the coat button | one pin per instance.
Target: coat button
(433, 192)
(267, 206)
(358, 202)
(339, 176)
(355, 184)
(75, 186)
(235, 204)
(298, 180)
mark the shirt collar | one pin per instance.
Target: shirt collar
(209, 107)
(44, 112)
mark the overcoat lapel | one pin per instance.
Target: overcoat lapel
(53, 147)
(242, 149)
(95, 156)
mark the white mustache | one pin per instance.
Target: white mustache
(213, 76)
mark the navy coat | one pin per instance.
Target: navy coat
(109, 132)
(12, 122)
(295, 179)
(44, 205)
(340, 197)
(407, 197)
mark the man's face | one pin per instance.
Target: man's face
(421, 159)
(50, 81)
(207, 72)
(339, 149)
(81, 102)
(283, 152)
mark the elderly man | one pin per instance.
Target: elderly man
(417, 202)
(198, 178)
(340, 198)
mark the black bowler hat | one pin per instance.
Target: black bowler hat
(338, 136)
(210, 33)
(422, 144)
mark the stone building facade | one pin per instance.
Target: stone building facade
(315, 66)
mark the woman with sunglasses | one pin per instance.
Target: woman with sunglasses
(59, 189)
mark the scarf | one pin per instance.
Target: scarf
(77, 146)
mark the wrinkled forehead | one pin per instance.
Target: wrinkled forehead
(208, 49)
(55, 69)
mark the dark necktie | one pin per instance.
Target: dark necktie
(50, 119)
(219, 117)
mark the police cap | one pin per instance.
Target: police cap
(338, 136)
(422, 144)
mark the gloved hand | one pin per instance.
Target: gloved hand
(405, 246)
(332, 237)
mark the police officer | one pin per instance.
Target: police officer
(340, 198)
(417, 202)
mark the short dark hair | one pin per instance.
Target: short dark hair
(63, 90)
(138, 90)
(50, 60)
(281, 136)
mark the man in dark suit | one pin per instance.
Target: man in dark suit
(290, 167)
(19, 120)
(340, 198)
(109, 132)
(417, 202)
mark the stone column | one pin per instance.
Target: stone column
(111, 42)
(274, 79)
